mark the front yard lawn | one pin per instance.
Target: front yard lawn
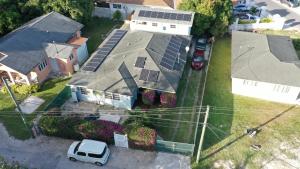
(11, 119)
(225, 143)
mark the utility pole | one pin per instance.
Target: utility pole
(202, 134)
(16, 103)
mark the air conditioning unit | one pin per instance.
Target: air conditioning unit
(76, 67)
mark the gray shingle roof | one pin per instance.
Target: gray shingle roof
(134, 44)
(264, 58)
(24, 46)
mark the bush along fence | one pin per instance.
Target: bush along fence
(77, 128)
(60, 99)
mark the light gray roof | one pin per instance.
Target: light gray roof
(24, 46)
(109, 76)
(136, 16)
(265, 58)
(58, 50)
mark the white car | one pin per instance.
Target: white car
(91, 151)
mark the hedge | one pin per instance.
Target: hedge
(22, 89)
(168, 99)
(148, 97)
(5, 165)
(142, 138)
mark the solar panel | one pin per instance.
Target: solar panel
(165, 15)
(104, 51)
(140, 62)
(144, 74)
(153, 76)
(166, 65)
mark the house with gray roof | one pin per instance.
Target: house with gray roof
(49, 43)
(265, 67)
(128, 61)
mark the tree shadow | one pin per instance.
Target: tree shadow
(281, 12)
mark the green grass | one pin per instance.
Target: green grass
(96, 30)
(11, 119)
(232, 114)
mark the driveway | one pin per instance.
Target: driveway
(291, 14)
(50, 153)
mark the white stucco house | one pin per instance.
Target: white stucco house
(162, 20)
(265, 67)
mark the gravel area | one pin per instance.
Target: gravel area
(50, 153)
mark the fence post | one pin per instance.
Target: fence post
(202, 134)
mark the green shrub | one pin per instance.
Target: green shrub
(117, 15)
(265, 20)
(296, 43)
(22, 89)
(148, 97)
(247, 21)
(141, 137)
(5, 165)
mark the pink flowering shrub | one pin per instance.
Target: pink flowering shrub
(100, 130)
(168, 99)
(148, 97)
(142, 138)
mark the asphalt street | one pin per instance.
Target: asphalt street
(292, 17)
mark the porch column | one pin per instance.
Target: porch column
(27, 80)
(11, 77)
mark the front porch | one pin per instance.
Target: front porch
(17, 78)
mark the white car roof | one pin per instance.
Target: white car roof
(92, 146)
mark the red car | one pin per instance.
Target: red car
(199, 53)
(198, 62)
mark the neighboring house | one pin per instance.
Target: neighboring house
(127, 7)
(265, 67)
(128, 62)
(164, 21)
(50, 43)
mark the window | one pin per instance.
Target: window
(116, 96)
(282, 89)
(83, 90)
(154, 24)
(250, 83)
(81, 153)
(117, 6)
(76, 147)
(71, 57)
(98, 155)
(43, 65)
(172, 26)
(108, 95)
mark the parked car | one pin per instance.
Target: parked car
(199, 53)
(290, 3)
(241, 7)
(198, 62)
(91, 151)
(248, 17)
(201, 43)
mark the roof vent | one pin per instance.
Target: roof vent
(128, 44)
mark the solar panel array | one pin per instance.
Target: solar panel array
(140, 62)
(165, 15)
(172, 53)
(149, 75)
(104, 51)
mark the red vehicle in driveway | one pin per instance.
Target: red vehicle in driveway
(198, 60)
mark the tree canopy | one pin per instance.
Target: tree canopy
(213, 16)
(16, 12)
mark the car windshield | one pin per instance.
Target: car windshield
(76, 147)
(103, 152)
(201, 40)
(198, 59)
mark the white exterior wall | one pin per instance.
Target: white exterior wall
(161, 27)
(127, 9)
(266, 91)
(124, 102)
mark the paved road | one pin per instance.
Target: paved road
(50, 153)
(293, 18)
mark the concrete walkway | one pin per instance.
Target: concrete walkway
(50, 153)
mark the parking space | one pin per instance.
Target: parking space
(50, 153)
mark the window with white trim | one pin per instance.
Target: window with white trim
(117, 6)
(108, 95)
(281, 88)
(172, 26)
(83, 90)
(154, 24)
(250, 83)
(43, 65)
(116, 96)
(71, 57)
